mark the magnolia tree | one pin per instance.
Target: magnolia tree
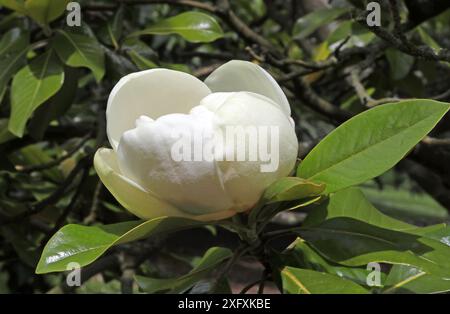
(225, 146)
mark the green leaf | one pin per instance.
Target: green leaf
(83, 244)
(56, 106)
(305, 281)
(301, 255)
(18, 6)
(112, 31)
(406, 279)
(352, 203)
(405, 204)
(80, 50)
(370, 143)
(352, 242)
(400, 64)
(45, 11)
(291, 188)
(285, 189)
(308, 24)
(31, 86)
(140, 53)
(193, 26)
(13, 50)
(208, 263)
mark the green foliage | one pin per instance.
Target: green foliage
(353, 96)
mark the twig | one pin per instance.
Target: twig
(54, 197)
(62, 218)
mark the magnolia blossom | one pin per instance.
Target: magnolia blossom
(145, 108)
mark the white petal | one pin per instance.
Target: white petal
(134, 198)
(244, 181)
(237, 76)
(128, 193)
(152, 93)
(145, 155)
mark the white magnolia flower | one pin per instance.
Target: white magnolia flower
(143, 110)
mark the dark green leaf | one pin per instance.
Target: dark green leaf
(193, 26)
(13, 50)
(351, 242)
(400, 63)
(209, 262)
(308, 24)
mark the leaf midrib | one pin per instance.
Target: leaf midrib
(296, 281)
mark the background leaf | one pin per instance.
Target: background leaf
(308, 24)
(13, 49)
(31, 86)
(193, 26)
(45, 11)
(80, 50)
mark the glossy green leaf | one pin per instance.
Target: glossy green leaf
(352, 242)
(13, 50)
(193, 26)
(406, 279)
(84, 244)
(208, 263)
(305, 281)
(352, 203)
(301, 255)
(370, 143)
(31, 86)
(80, 50)
(308, 24)
(45, 11)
